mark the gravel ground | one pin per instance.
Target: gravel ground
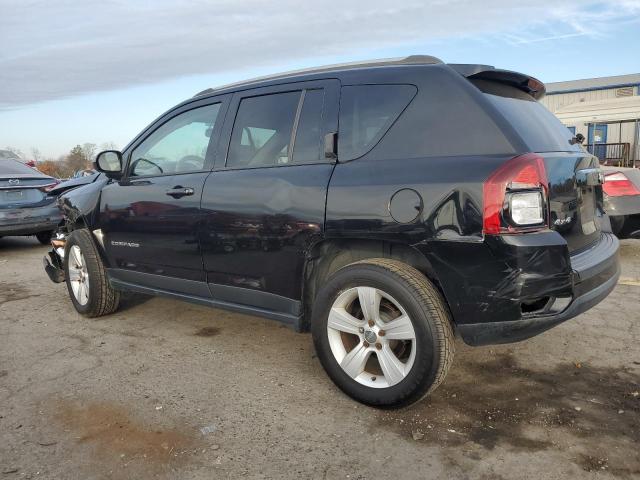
(164, 389)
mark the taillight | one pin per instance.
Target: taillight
(515, 196)
(48, 187)
(618, 185)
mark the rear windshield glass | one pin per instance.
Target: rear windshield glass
(366, 113)
(538, 127)
(14, 167)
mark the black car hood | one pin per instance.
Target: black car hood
(82, 201)
(75, 182)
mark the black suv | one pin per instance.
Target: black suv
(384, 206)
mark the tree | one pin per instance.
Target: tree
(36, 155)
(49, 167)
(108, 146)
(89, 151)
(56, 168)
(76, 159)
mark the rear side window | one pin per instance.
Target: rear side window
(444, 119)
(366, 113)
(538, 127)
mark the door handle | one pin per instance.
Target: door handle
(180, 191)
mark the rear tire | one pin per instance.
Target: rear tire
(44, 237)
(414, 340)
(86, 278)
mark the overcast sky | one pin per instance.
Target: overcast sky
(97, 71)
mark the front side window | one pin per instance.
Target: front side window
(178, 146)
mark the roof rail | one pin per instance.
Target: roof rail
(410, 60)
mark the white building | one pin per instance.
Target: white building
(605, 110)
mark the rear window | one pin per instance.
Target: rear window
(538, 127)
(8, 154)
(366, 113)
(14, 167)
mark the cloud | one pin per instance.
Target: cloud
(59, 48)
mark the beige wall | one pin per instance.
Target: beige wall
(616, 132)
(556, 101)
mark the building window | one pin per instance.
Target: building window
(624, 92)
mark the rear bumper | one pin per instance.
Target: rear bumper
(594, 275)
(622, 206)
(27, 221)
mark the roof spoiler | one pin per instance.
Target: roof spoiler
(530, 85)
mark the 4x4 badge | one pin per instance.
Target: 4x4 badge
(563, 221)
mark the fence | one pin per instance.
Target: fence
(611, 153)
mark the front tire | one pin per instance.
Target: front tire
(383, 333)
(86, 278)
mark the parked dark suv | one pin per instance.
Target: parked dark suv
(384, 206)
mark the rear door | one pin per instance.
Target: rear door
(575, 192)
(264, 204)
(151, 219)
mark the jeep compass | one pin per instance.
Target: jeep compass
(385, 207)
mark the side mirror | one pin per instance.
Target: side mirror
(109, 162)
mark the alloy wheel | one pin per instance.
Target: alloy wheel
(371, 337)
(78, 275)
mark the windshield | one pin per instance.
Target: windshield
(14, 167)
(537, 126)
(8, 154)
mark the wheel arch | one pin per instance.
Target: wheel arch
(80, 222)
(328, 256)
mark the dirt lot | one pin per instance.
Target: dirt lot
(164, 389)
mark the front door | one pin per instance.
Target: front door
(597, 140)
(264, 204)
(151, 219)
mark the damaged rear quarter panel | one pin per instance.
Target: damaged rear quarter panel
(483, 278)
(488, 281)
